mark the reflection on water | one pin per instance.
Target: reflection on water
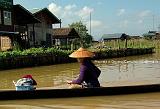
(138, 69)
(118, 71)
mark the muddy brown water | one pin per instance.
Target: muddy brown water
(144, 69)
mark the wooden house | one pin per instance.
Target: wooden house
(155, 34)
(152, 35)
(28, 29)
(22, 18)
(13, 24)
(6, 24)
(64, 37)
(43, 30)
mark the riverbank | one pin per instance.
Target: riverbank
(58, 57)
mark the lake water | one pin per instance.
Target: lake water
(133, 70)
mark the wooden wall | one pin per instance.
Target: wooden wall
(5, 43)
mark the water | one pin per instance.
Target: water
(120, 71)
(134, 101)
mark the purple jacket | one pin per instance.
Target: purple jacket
(89, 73)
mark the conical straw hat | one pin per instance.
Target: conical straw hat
(81, 53)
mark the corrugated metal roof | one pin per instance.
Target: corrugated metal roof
(65, 32)
(112, 36)
(150, 34)
(34, 10)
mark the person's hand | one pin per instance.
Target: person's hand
(69, 82)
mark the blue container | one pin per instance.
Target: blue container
(25, 88)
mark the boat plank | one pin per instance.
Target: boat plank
(63, 93)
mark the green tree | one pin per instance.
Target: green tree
(82, 30)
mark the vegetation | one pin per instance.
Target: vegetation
(34, 52)
(86, 39)
(39, 56)
(109, 45)
(47, 56)
(33, 57)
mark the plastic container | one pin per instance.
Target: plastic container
(25, 88)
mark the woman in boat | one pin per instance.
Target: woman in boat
(89, 73)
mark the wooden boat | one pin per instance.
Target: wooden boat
(62, 93)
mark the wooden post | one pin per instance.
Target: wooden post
(126, 43)
(118, 44)
(60, 23)
(0, 44)
(72, 44)
(33, 36)
(27, 35)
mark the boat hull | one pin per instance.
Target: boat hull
(63, 93)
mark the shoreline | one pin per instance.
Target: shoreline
(52, 59)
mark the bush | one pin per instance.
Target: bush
(34, 52)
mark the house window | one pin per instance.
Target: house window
(57, 42)
(7, 18)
